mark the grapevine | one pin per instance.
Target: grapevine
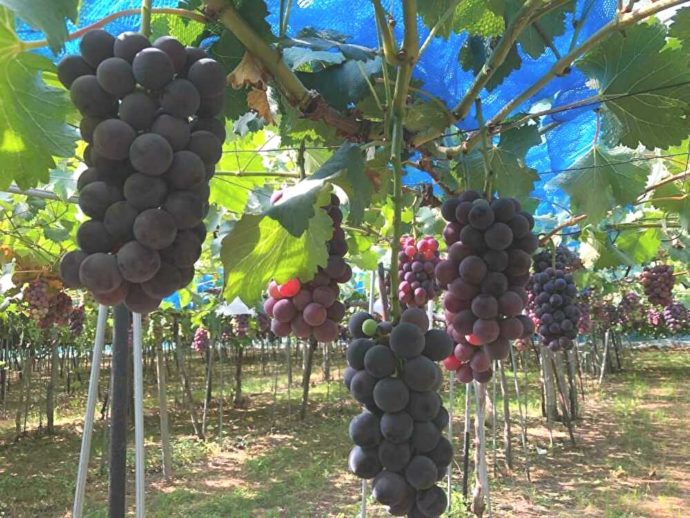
(149, 119)
(398, 438)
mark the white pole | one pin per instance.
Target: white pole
(372, 290)
(451, 383)
(139, 418)
(85, 453)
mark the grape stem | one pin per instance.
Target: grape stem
(184, 13)
(146, 17)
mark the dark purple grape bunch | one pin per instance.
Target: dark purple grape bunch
(584, 302)
(657, 282)
(60, 309)
(556, 307)
(398, 438)
(676, 317)
(490, 247)
(416, 264)
(562, 258)
(201, 340)
(631, 311)
(240, 326)
(312, 308)
(76, 320)
(263, 325)
(151, 119)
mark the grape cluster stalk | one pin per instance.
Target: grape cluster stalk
(150, 117)
(398, 438)
(490, 244)
(312, 309)
(657, 282)
(417, 262)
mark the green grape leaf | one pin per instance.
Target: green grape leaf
(602, 180)
(300, 58)
(47, 15)
(506, 161)
(294, 128)
(638, 63)
(342, 84)
(430, 114)
(259, 249)
(363, 251)
(534, 38)
(675, 199)
(33, 128)
(187, 32)
(680, 28)
(476, 50)
(640, 245)
(597, 251)
(473, 16)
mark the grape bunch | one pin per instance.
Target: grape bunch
(60, 309)
(227, 333)
(240, 326)
(584, 302)
(416, 263)
(76, 320)
(654, 317)
(200, 342)
(149, 117)
(312, 308)
(398, 437)
(37, 297)
(630, 311)
(556, 307)
(606, 314)
(263, 323)
(676, 317)
(657, 282)
(489, 258)
(562, 259)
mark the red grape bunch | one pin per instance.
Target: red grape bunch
(312, 308)
(417, 262)
(630, 311)
(150, 119)
(584, 302)
(47, 306)
(398, 438)
(489, 258)
(201, 340)
(555, 305)
(76, 320)
(657, 282)
(676, 317)
(562, 259)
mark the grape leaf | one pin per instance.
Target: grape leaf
(476, 50)
(32, 115)
(363, 251)
(47, 15)
(473, 16)
(259, 249)
(674, 198)
(640, 246)
(298, 58)
(187, 32)
(597, 251)
(428, 114)
(680, 28)
(506, 161)
(652, 84)
(603, 180)
(534, 38)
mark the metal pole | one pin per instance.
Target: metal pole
(140, 481)
(118, 429)
(451, 384)
(87, 434)
(372, 290)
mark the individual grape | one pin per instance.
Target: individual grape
(87, 126)
(362, 388)
(90, 99)
(437, 345)
(364, 462)
(129, 44)
(137, 301)
(499, 349)
(364, 430)
(93, 237)
(138, 110)
(473, 270)
(420, 374)
(137, 263)
(391, 395)
(370, 327)
(389, 488)
(99, 273)
(152, 68)
(355, 324)
(212, 106)
(113, 298)
(168, 280)
(397, 428)
(96, 197)
(407, 340)
(112, 139)
(69, 268)
(71, 68)
(511, 328)
(421, 472)
(432, 501)
(185, 208)
(394, 457)
(186, 170)
(356, 352)
(498, 236)
(115, 77)
(324, 295)
(212, 124)
(208, 77)
(155, 229)
(145, 192)
(327, 332)
(151, 154)
(177, 132)
(379, 361)
(207, 146)
(119, 220)
(417, 317)
(314, 314)
(180, 98)
(175, 51)
(425, 436)
(187, 273)
(424, 406)
(96, 46)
